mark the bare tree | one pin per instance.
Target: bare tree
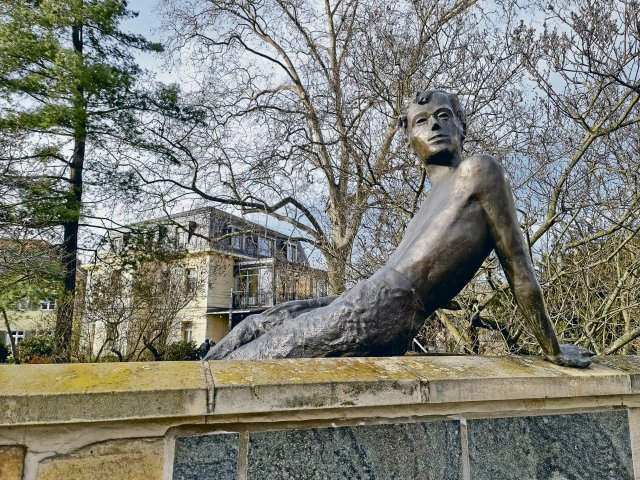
(575, 178)
(301, 102)
(137, 305)
(568, 135)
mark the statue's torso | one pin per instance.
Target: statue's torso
(445, 243)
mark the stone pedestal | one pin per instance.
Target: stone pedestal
(436, 418)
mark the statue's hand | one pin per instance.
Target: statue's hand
(572, 356)
(296, 307)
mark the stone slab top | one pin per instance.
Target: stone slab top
(46, 394)
(99, 377)
(81, 392)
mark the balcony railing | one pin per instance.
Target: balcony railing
(264, 299)
(252, 300)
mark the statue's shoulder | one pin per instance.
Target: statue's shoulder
(481, 162)
(484, 171)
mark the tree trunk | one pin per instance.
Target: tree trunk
(118, 354)
(154, 351)
(336, 270)
(14, 347)
(64, 318)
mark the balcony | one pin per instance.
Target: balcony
(265, 299)
(242, 300)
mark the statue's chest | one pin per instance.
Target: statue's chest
(447, 202)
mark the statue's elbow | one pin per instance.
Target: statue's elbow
(527, 288)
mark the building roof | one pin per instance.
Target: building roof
(214, 212)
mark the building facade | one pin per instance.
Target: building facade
(29, 319)
(29, 273)
(233, 267)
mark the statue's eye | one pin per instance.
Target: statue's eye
(444, 115)
(420, 121)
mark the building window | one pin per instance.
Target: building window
(286, 284)
(264, 246)
(322, 289)
(250, 244)
(254, 287)
(292, 252)
(190, 274)
(48, 305)
(247, 286)
(162, 232)
(17, 336)
(182, 237)
(187, 332)
(116, 244)
(234, 242)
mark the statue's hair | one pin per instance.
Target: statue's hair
(422, 98)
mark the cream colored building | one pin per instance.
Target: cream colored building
(240, 268)
(29, 319)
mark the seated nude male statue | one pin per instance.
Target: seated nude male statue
(468, 213)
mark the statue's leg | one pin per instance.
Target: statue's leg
(372, 319)
(255, 325)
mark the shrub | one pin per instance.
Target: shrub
(181, 351)
(38, 359)
(36, 349)
(108, 358)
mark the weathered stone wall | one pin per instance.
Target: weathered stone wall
(436, 418)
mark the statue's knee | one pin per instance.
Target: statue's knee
(251, 324)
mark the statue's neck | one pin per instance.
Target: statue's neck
(438, 170)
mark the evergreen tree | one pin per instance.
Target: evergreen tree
(68, 83)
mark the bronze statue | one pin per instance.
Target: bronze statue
(468, 213)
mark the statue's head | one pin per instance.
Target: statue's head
(435, 125)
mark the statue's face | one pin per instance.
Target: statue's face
(433, 131)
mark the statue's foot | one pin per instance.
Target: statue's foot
(572, 356)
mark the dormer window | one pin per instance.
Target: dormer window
(250, 243)
(182, 237)
(234, 242)
(264, 246)
(162, 232)
(193, 226)
(48, 305)
(292, 252)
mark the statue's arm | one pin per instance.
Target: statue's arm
(496, 197)
(256, 325)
